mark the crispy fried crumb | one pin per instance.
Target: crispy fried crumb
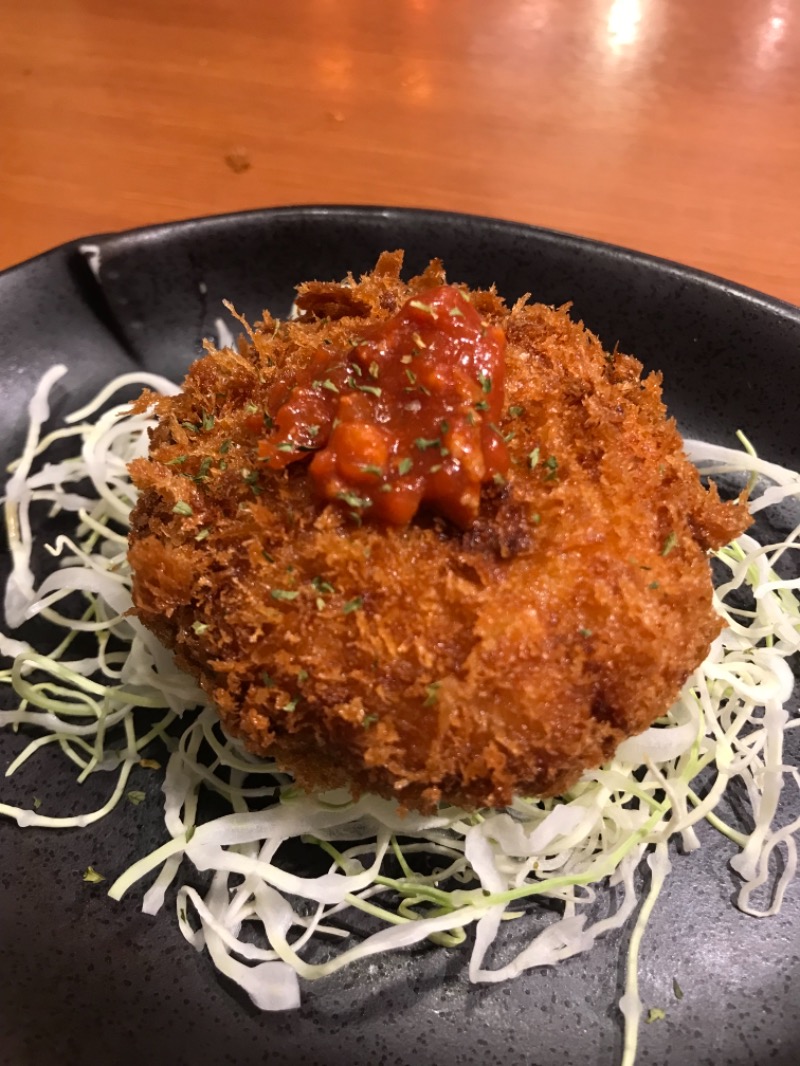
(427, 663)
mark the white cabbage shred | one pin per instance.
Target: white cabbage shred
(411, 877)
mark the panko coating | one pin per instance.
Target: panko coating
(461, 653)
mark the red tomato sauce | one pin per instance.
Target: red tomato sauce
(406, 416)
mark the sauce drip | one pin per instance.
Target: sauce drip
(406, 416)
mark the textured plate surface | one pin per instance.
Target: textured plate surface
(86, 979)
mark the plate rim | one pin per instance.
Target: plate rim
(660, 264)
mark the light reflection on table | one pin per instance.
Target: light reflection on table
(667, 125)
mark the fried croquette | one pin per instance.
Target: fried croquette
(461, 653)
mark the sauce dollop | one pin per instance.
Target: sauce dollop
(406, 416)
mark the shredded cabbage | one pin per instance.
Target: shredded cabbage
(407, 878)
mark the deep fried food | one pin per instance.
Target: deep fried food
(430, 661)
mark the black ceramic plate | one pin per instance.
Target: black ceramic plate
(86, 980)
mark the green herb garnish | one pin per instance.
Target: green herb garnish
(352, 500)
(431, 694)
(203, 469)
(322, 586)
(326, 384)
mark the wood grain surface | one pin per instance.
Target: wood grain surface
(671, 126)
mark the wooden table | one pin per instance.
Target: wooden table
(671, 126)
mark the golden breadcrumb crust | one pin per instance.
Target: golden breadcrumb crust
(429, 663)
